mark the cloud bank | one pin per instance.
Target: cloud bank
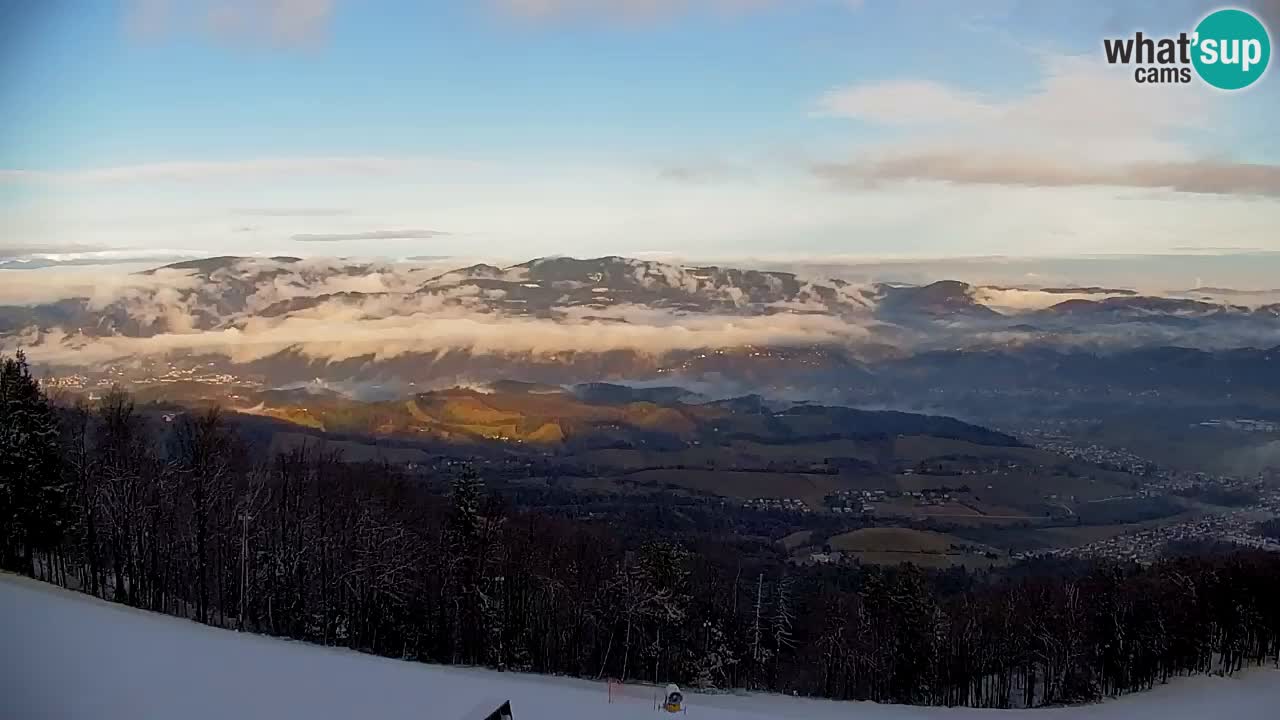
(203, 171)
(335, 333)
(370, 235)
(973, 168)
(329, 310)
(1085, 125)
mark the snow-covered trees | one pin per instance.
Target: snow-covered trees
(33, 490)
(715, 665)
(758, 644)
(646, 596)
(473, 559)
(466, 494)
(783, 618)
(202, 449)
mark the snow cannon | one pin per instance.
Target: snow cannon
(674, 701)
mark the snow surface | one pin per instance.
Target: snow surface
(66, 655)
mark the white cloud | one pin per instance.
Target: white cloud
(1016, 300)
(908, 102)
(592, 211)
(100, 286)
(200, 171)
(294, 212)
(25, 259)
(277, 22)
(1034, 170)
(1085, 124)
(148, 18)
(338, 331)
(407, 234)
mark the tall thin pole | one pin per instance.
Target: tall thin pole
(244, 563)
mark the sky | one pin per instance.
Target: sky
(795, 129)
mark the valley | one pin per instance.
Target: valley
(721, 401)
(860, 486)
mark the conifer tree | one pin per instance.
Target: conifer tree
(33, 497)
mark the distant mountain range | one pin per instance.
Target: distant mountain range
(283, 320)
(224, 292)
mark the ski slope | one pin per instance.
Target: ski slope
(66, 655)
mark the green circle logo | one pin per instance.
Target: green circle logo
(1231, 49)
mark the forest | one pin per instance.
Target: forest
(178, 514)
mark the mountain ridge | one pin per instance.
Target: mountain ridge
(608, 319)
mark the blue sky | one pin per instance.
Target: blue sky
(696, 127)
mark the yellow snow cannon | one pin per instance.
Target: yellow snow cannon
(674, 701)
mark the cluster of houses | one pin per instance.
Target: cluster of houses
(825, 558)
(70, 382)
(794, 505)
(1144, 546)
(151, 373)
(1166, 482)
(1102, 455)
(967, 466)
(864, 501)
(1244, 424)
(175, 375)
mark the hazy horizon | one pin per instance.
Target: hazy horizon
(707, 129)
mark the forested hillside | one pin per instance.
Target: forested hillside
(181, 516)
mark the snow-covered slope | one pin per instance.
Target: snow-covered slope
(65, 655)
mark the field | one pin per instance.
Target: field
(735, 454)
(741, 485)
(797, 539)
(885, 539)
(892, 545)
(918, 448)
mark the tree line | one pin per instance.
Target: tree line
(178, 515)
